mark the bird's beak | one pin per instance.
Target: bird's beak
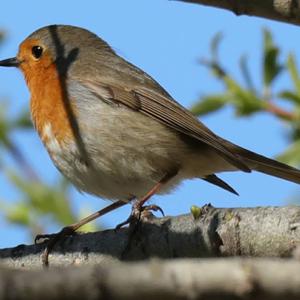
(10, 62)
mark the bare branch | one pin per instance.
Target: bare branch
(259, 232)
(231, 278)
(280, 10)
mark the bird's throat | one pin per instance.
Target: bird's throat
(50, 104)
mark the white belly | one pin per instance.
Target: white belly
(127, 154)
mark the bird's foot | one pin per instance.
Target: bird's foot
(51, 240)
(140, 213)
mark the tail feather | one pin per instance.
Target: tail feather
(268, 166)
(220, 183)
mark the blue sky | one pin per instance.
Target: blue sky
(166, 39)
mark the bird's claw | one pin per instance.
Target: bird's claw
(140, 213)
(52, 240)
(44, 237)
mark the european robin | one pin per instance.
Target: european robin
(112, 130)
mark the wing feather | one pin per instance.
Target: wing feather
(165, 110)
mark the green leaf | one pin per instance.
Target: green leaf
(44, 199)
(4, 128)
(214, 45)
(196, 211)
(22, 121)
(244, 101)
(291, 64)
(290, 96)
(292, 155)
(19, 214)
(217, 70)
(213, 62)
(209, 104)
(246, 74)
(271, 67)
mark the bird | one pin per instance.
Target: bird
(115, 132)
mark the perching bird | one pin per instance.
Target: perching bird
(112, 130)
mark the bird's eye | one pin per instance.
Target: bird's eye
(37, 51)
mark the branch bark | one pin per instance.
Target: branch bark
(231, 278)
(257, 232)
(280, 10)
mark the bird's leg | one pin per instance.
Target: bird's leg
(70, 230)
(139, 210)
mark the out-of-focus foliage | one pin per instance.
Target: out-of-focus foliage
(247, 99)
(40, 204)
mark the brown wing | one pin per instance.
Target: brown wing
(168, 112)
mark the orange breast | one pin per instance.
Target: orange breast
(49, 104)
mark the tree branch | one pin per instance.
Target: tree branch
(280, 112)
(261, 231)
(231, 278)
(280, 10)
